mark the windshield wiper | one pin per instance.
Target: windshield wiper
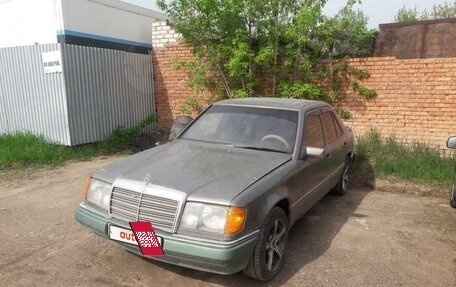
(258, 148)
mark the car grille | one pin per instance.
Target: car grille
(134, 206)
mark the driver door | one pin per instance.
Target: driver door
(311, 170)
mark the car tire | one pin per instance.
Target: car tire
(268, 256)
(341, 187)
(453, 197)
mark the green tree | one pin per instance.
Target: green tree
(440, 11)
(351, 36)
(405, 15)
(289, 44)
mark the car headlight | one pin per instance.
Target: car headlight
(213, 218)
(99, 193)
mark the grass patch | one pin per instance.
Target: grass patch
(389, 157)
(23, 150)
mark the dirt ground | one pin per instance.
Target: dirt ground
(370, 237)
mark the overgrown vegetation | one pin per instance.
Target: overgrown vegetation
(287, 48)
(126, 139)
(391, 157)
(28, 150)
(439, 11)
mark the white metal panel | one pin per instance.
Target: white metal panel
(31, 100)
(97, 91)
(109, 19)
(106, 89)
(26, 22)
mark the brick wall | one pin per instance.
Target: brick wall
(416, 98)
(169, 83)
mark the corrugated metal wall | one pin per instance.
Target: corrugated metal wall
(98, 91)
(105, 89)
(31, 100)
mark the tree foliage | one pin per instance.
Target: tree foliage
(405, 15)
(440, 11)
(290, 46)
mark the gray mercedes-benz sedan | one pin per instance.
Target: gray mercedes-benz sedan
(223, 196)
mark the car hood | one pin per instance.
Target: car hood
(205, 172)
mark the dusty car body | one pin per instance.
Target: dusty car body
(223, 196)
(451, 143)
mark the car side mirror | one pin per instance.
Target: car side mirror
(313, 152)
(451, 142)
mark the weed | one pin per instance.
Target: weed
(391, 157)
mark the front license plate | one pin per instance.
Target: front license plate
(125, 235)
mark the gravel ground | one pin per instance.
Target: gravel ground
(370, 237)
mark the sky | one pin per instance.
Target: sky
(378, 11)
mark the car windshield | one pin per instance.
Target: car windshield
(246, 127)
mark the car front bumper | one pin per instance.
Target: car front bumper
(209, 256)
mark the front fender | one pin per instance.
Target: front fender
(263, 195)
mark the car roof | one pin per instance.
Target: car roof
(280, 103)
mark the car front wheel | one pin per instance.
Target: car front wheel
(268, 255)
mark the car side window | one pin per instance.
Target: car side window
(314, 132)
(329, 127)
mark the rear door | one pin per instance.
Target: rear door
(334, 145)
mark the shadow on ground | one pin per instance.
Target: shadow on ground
(309, 238)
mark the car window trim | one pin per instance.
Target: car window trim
(316, 111)
(338, 124)
(323, 111)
